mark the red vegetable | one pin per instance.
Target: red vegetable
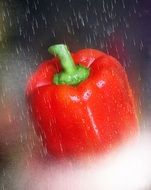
(83, 108)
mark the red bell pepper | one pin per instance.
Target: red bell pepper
(85, 107)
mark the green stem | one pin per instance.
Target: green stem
(72, 74)
(61, 51)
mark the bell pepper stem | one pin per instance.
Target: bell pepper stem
(72, 74)
(62, 52)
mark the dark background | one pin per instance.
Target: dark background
(27, 28)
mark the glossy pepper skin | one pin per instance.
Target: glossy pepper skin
(91, 117)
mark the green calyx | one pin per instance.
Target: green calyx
(72, 74)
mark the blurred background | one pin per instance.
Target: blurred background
(27, 28)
